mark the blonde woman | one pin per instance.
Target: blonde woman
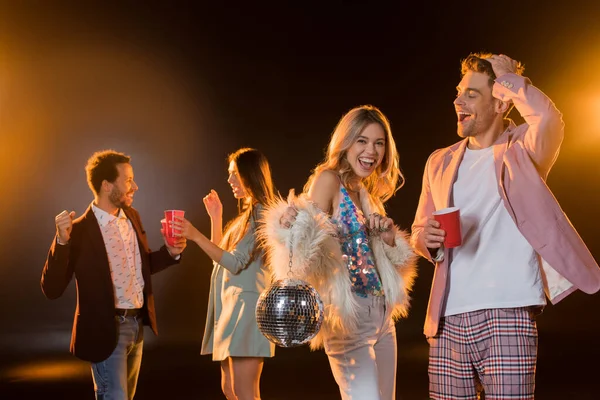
(239, 276)
(351, 252)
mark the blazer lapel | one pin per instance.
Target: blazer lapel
(93, 230)
(143, 246)
(95, 235)
(500, 148)
(449, 171)
(138, 230)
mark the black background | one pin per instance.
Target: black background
(179, 85)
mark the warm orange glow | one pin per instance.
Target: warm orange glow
(577, 96)
(595, 111)
(583, 119)
(48, 370)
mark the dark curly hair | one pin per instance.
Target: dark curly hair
(102, 165)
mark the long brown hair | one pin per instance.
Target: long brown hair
(255, 176)
(383, 182)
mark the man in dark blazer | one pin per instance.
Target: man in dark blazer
(107, 251)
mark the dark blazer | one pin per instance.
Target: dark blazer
(95, 328)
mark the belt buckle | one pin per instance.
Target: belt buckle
(127, 312)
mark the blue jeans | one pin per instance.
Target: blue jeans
(116, 377)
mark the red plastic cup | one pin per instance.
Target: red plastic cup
(170, 231)
(170, 240)
(449, 219)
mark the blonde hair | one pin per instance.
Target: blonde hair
(383, 182)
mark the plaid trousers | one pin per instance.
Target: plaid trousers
(493, 348)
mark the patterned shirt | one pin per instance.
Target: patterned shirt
(357, 253)
(124, 258)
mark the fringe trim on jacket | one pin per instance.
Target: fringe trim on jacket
(317, 259)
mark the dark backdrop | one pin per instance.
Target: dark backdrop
(179, 85)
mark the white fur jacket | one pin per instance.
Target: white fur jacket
(317, 259)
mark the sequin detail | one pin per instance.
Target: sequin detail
(357, 253)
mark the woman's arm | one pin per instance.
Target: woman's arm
(216, 232)
(190, 232)
(236, 260)
(214, 208)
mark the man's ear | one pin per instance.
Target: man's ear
(106, 186)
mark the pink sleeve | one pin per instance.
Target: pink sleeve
(545, 131)
(424, 210)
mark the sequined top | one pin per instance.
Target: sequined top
(357, 254)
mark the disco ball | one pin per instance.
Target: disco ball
(289, 313)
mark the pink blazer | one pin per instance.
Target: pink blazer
(523, 156)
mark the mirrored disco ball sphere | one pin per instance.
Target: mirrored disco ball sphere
(289, 313)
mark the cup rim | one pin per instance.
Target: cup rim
(447, 210)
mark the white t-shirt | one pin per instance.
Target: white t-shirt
(495, 267)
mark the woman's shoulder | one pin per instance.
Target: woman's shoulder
(327, 179)
(324, 189)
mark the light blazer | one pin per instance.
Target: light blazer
(523, 156)
(235, 284)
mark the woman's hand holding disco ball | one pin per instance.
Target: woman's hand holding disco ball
(289, 216)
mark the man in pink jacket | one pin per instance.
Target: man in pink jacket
(518, 247)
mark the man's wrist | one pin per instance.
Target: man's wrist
(175, 257)
(437, 255)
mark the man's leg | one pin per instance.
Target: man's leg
(134, 358)
(451, 374)
(507, 358)
(111, 375)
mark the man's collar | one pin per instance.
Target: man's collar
(105, 218)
